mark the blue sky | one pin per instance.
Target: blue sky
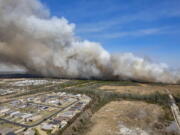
(148, 28)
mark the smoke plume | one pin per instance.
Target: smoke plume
(31, 38)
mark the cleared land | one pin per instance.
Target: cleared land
(130, 118)
(142, 89)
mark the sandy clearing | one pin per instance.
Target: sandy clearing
(128, 118)
(142, 89)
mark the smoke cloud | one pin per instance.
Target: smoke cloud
(31, 38)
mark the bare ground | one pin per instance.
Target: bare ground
(142, 89)
(129, 118)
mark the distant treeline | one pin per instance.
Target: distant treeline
(19, 75)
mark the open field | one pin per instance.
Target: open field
(130, 118)
(142, 89)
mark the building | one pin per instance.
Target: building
(29, 132)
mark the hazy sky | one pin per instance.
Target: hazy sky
(148, 28)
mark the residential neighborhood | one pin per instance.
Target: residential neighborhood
(45, 113)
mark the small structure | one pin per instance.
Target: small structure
(29, 132)
(34, 118)
(63, 123)
(26, 116)
(14, 113)
(5, 131)
(11, 133)
(47, 127)
(4, 110)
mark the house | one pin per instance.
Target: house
(29, 132)
(4, 110)
(47, 127)
(11, 133)
(14, 113)
(63, 123)
(61, 93)
(55, 122)
(26, 116)
(61, 118)
(34, 118)
(8, 112)
(54, 102)
(16, 103)
(78, 95)
(68, 114)
(30, 99)
(23, 106)
(5, 131)
(43, 107)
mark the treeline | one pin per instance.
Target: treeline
(100, 97)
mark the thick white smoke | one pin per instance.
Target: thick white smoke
(30, 37)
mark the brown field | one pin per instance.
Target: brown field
(130, 118)
(143, 89)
